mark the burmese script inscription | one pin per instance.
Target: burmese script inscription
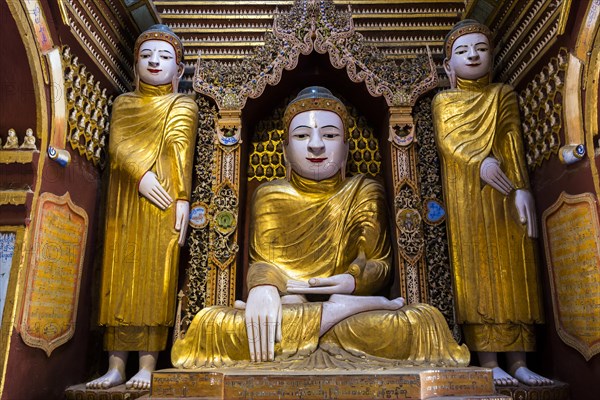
(572, 242)
(408, 383)
(54, 273)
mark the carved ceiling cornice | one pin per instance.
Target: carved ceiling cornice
(232, 29)
(523, 31)
(315, 26)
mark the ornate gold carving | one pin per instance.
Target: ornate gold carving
(315, 26)
(572, 243)
(198, 289)
(14, 197)
(224, 221)
(229, 128)
(407, 383)
(408, 223)
(437, 271)
(21, 157)
(54, 273)
(402, 126)
(541, 103)
(88, 110)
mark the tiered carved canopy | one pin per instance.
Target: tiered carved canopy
(314, 43)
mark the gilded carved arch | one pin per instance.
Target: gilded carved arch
(309, 26)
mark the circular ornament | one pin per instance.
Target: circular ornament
(225, 222)
(198, 215)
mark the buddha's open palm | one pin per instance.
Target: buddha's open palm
(336, 284)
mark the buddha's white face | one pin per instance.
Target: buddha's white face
(157, 63)
(316, 149)
(471, 57)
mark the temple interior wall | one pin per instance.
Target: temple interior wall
(27, 100)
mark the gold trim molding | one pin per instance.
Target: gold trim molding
(16, 156)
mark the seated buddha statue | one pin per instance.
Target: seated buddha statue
(318, 233)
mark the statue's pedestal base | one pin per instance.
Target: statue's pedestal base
(558, 391)
(79, 392)
(401, 383)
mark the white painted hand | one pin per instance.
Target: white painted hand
(151, 189)
(491, 173)
(182, 217)
(336, 284)
(263, 322)
(526, 208)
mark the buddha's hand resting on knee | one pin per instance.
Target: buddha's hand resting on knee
(336, 284)
(263, 322)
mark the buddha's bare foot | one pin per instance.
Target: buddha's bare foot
(293, 299)
(240, 305)
(140, 381)
(112, 378)
(528, 377)
(502, 378)
(342, 306)
(366, 303)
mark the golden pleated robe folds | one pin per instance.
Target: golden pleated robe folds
(303, 229)
(494, 264)
(152, 129)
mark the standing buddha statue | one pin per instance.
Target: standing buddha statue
(152, 137)
(491, 213)
(318, 233)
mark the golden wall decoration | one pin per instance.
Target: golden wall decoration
(541, 104)
(54, 273)
(435, 266)
(572, 242)
(88, 110)
(198, 292)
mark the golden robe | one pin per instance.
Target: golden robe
(303, 229)
(493, 260)
(152, 129)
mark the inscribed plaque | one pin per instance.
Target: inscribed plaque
(572, 243)
(54, 273)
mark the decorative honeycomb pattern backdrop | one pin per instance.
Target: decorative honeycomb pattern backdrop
(266, 159)
(541, 108)
(88, 110)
